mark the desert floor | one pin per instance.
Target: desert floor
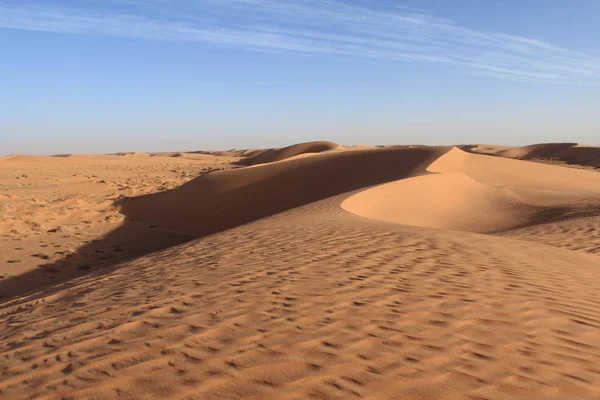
(316, 271)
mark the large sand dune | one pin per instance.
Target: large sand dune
(286, 295)
(224, 199)
(482, 194)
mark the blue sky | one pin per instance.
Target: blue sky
(149, 75)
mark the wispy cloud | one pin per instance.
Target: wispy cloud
(314, 27)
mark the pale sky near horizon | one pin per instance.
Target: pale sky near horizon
(97, 76)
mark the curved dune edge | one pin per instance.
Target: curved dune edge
(481, 194)
(224, 199)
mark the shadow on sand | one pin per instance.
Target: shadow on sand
(222, 200)
(128, 241)
(217, 201)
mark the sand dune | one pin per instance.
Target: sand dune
(499, 171)
(542, 150)
(239, 153)
(447, 201)
(481, 194)
(224, 199)
(272, 155)
(132, 154)
(568, 153)
(293, 297)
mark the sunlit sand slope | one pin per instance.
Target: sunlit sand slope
(482, 194)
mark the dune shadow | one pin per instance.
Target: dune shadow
(550, 215)
(225, 199)
(217, 201)
(97, 257)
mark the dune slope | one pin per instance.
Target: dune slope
(482, 194)
(224, 199)
(446, 201)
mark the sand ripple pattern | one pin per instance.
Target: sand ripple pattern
(317, 303)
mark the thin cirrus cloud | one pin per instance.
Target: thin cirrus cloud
(316, 28)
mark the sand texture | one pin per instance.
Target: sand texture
(316, 271)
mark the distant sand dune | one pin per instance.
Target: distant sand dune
(271, 155)
(570, 153)
(238, 153)
(516, 173)
(132, 154)
(542, 150)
